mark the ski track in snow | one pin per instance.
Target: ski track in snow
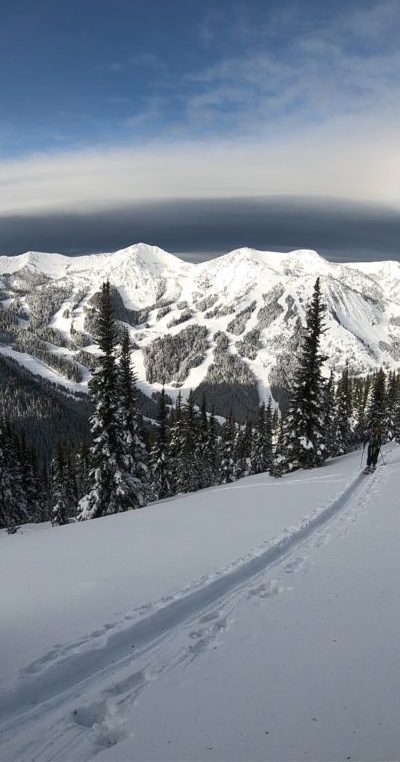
(86, 689)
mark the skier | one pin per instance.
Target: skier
(374, 445)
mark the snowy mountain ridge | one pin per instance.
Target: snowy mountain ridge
(236, 318)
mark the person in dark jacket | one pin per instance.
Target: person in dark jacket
(374, 446)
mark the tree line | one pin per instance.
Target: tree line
(188, 447)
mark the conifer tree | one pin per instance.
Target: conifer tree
(262, 453)
(211, 452)
(279, 465)
(396, 411)
(201, 442)
(187, 476)
(392, 405)
(132, 460)
(361, 394)
(13, 504)
(59, 481)
(175, 445)
(241, 465)
(104, 496)
(227, 459)
(344, 413)
(329, 417)
(82, 469)
(376, 411)
(160, 471)
(304, 436)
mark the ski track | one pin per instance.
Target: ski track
(63, 685)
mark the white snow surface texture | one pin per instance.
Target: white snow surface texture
(252, 621)
(272, 289)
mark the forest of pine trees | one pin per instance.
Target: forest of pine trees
(187, 448)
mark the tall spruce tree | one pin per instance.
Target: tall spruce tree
(344, 413)
(304, 435)
(227, 457)
(59, 485)
(262, 452)
(175, 446)
(211, 451)
(159, 465)
(187, 474)
(329, 417)
(104, 496)
(377, 407)
(132, 460)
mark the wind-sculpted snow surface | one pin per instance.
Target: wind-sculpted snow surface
(257, 298)
(226, 617)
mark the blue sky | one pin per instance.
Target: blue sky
(83, 73)
(109, 102)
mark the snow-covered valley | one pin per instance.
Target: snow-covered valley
(235, 319)
(249, 621)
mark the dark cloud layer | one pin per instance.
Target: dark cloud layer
(199, 229)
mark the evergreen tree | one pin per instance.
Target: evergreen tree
(104, 496)
(240, 447)
(262, 453)
(279, 465)
(376, 411)
(187, 476)
(211, 452)
(361, 394)
(329, 417)
(175, 446)
(201, 443)
(227, 459)
(344, 413)
(160, 471)
(13, 505)
(304, 435)
(82, 469)
(392, 405)
(59, 482)
(132, 471)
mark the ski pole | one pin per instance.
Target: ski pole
(362, 454)
(383, 459)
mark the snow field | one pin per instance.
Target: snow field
(165, 584)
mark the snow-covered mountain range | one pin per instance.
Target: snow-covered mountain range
(233, 320)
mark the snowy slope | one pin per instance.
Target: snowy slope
(252, 621)
(256, 298)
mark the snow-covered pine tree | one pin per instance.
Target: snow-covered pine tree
(187, 475)
(262, 452)
(59, 488)
(227, 457)
(279, 464)
(241, 466)
(201, 443)
(329, 417)
(361, 393)
(392, 405)
(132, 458)
(396, 411)
(82, 469)
(13, 506)
(344, 413)
(175, 444)
(159, 466)
(304, 435)
(104, 496)
(211, 451)
(377, 406)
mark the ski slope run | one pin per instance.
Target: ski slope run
(111, 691)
